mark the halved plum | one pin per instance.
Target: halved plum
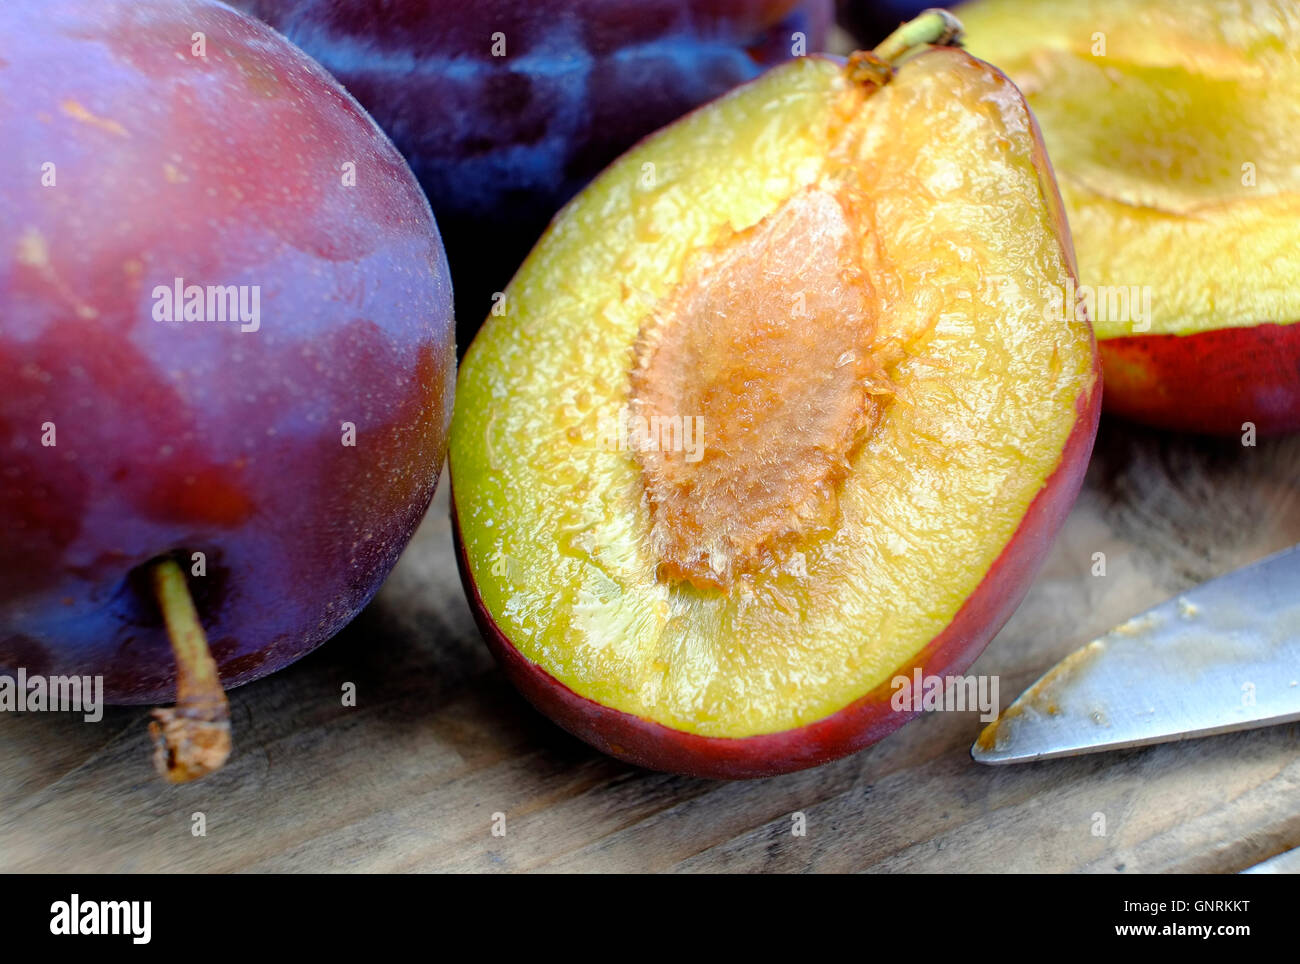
(780, 408)
(1174, 130)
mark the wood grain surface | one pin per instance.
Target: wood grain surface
(438, 743)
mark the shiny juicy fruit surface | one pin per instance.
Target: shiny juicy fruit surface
(135, 165)
(911, 229)
(1173, 129)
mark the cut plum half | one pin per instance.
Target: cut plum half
(783, 406)
(1174, 130)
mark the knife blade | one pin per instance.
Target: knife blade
(1220, 657)
(1287, 862)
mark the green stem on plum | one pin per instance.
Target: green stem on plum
(937, 27)
(192, 738)
(932, 27)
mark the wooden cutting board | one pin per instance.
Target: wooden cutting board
(411, 778)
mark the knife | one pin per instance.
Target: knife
(1223, 656)
(1284, 863)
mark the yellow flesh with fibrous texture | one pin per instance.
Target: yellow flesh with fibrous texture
(1174, 130)
(965, 394)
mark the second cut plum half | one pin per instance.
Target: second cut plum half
(1173, 131)
(779, 410)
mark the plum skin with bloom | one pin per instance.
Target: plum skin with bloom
(137, 161)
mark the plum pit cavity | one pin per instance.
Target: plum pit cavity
(768, 340)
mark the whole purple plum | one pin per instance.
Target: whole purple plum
(505, 108)
(226, 339)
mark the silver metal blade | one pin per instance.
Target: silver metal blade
(1287, 862)
(1223, 656)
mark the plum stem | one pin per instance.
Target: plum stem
(192, 738)
(930, 27)
(934, 26)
